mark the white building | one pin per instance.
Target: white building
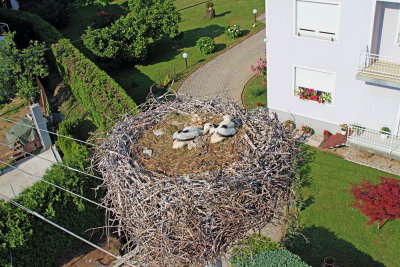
(348, 51)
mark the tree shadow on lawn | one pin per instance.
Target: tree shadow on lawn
(191, 36)
(167, 49)
(223, 14)
(136, 84)
(324, 243)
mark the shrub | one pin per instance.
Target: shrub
(260, 67)
(251, 246)
(102, 97)
(56, 12)
(273, 258)
(209, 4)
(29, 27)
(26, 237)
(233, 31)
(75, 154)
(206, 45)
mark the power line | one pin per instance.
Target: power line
(64, 229)
(43, 130)
(64, 136)
(57, 186)
(54, 162)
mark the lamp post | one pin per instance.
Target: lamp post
(255, 15)
(185, 56)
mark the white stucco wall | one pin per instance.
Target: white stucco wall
(353, 100)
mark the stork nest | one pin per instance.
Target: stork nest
(179, 207)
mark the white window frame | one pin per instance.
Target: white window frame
(397, 37)
(310, 101)
(321, 37)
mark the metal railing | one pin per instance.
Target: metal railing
(379, 65)
(379, 140)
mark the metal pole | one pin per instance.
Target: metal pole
(186, 62)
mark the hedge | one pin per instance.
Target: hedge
(29, 26)
(99, 94)
(274, 258)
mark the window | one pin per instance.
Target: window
(317, 19)
(314, 85)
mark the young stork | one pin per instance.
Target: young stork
(226, 128)
(187, 135)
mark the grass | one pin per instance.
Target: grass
(166, 55)
(254, 92)
(338, 230)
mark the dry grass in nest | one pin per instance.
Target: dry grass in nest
(186, 208)
(165, 159)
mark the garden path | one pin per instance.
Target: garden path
(227, 74)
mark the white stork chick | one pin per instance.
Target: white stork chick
(226, 128)
(186, 136)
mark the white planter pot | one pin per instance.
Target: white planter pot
(384, 136)
(343, 132)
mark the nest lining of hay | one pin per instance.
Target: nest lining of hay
(186, 208)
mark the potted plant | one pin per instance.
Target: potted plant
(344, 128)
(307, 130)
(327, 134)
(289, 125)
(209, 5)
(385, 132)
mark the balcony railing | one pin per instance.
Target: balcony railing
(379, 66)
(378, 140)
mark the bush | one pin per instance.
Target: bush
(273, 258)
(29, 27)
(251, 246)
(206, 45)
(75, 154)
(33, 242)
(56, 12)
(233, 31)
(102, 97)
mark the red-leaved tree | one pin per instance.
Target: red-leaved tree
(380, 202)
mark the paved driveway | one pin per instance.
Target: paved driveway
(13, 179)
(228, 73)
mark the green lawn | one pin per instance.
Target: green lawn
(338, 230)
(254, 92)
(166, 55)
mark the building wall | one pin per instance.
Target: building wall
(353, 100)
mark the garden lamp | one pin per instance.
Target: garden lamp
(255, 15)
(185, 56)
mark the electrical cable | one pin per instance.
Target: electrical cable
(63, 229)
(57, 186)
(54, 162)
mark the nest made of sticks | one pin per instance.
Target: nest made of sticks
(186, 208)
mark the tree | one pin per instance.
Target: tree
(130, 36)
(19, 68)
(380, 202)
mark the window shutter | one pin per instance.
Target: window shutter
(317, 80)
(317, 19)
